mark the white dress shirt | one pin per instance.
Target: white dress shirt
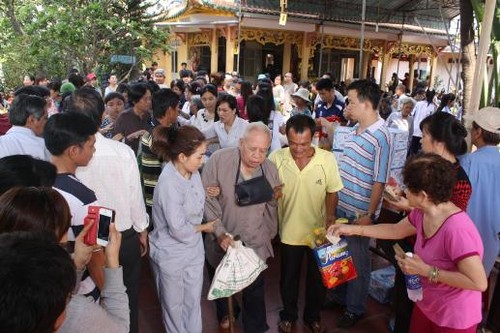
(227, 139)
(114, 176)
(421, 110)
(22, 141)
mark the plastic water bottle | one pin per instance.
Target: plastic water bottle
(413, 286)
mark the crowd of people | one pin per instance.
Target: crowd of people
(169, 160)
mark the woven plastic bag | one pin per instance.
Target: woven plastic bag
(239, 267)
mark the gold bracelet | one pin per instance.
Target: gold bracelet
(434, 274)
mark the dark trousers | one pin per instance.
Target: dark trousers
(401, 304)
(415, 145)
(291, 262)
(254, 307)
(130, 259)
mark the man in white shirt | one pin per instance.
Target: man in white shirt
(113, 175)
(28, 117)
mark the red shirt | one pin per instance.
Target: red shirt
(4, 123)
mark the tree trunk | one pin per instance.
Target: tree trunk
(10, 12)
(468, 51)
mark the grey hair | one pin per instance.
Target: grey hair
(409, 100)
(256, 126)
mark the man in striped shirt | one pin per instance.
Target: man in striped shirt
(364, 169)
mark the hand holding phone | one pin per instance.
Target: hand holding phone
(112, 252)
(83, 251)
(99, 231)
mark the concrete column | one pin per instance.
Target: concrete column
(214, 51)
(434, 63)
(411, 60)
(287, 57)
(385, 64)
(367, 56)
(166, 62)
(306, 52)
(230, 45)
(182, 53)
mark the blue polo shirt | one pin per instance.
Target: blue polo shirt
(483, 169)
(366, 160)
(336, 109)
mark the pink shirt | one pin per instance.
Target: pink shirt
(456, 239)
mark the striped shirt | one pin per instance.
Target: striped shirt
(79, 197)
(151, 169)
(366, 160)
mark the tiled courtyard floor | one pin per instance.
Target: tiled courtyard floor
(150, 316)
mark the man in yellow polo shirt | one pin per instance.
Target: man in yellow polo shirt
(311, 180)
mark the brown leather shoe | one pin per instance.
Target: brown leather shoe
(314, 327)
(285, 326)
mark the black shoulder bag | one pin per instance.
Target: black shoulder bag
(253, 191)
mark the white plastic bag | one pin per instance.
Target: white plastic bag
(237, 270)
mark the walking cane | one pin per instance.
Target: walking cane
(230, 302)
(230, 313)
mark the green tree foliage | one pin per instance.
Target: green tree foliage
(55, 36)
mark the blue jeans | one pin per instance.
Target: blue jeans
(354, 293)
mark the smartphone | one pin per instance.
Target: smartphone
(106, 216)
(99, 233)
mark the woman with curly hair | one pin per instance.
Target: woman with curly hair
(448, 249)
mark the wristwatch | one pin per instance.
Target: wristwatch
(373, 217)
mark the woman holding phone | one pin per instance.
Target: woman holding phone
(176, 247)
(448, 249)
(44, 209)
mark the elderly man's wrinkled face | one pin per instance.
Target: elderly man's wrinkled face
(254, 148)
(407, 109)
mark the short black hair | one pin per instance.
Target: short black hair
(41, 76)
(178, 83)
(123, 88)
(162, 100)
(113, 95)
(230, 100)
(64, 130)
(25, 170)
(54, 84)
(324, 84)
(299, 123)
(367, 91)
(36, 281)
(87, 101)
(209, 88)
(194, 87)
(25, 106)
(39, 91)
(137, 91)
(77, 80)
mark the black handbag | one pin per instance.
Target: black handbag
(253, 191)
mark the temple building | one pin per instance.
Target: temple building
(310, 37)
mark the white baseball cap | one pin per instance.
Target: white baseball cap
(488, 118)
